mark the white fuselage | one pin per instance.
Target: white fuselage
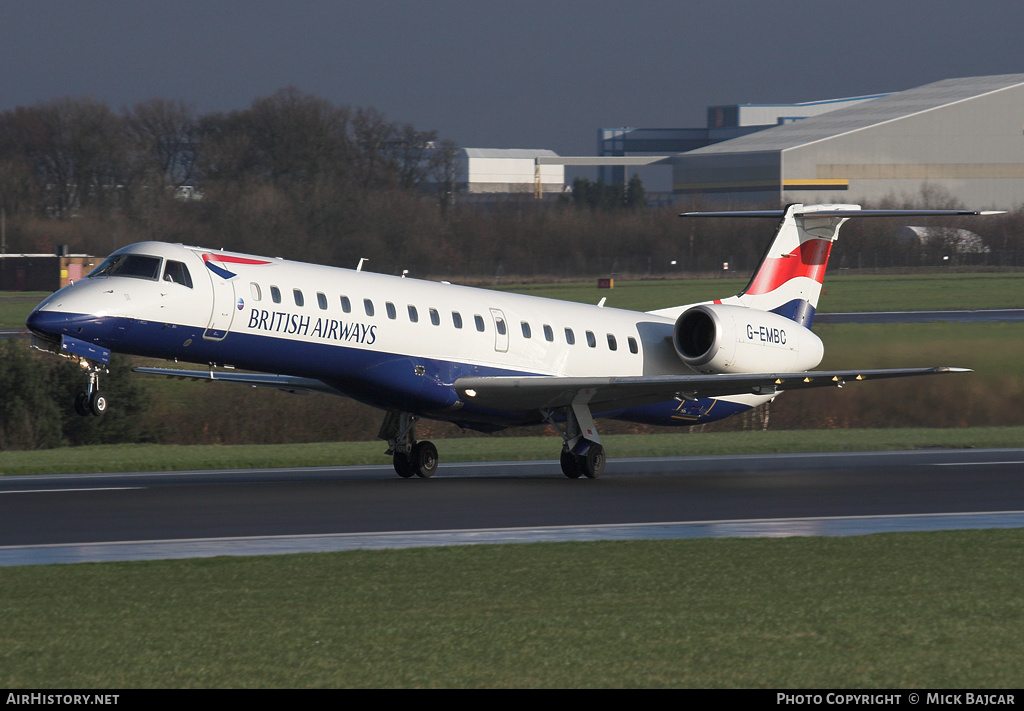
(361, 332)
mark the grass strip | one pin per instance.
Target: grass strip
(151, 457)
(906, 610)
(841, 292)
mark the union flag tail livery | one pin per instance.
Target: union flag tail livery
(481, 359)
(788, 279)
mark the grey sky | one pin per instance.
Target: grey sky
(511, 74)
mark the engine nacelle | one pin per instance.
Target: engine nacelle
(734, 339)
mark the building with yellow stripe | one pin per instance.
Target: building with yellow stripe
(956, 137)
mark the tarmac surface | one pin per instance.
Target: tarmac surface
(144, 516)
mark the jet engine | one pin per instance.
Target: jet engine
(714, 338)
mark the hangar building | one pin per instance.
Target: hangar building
(958, 137)
(507, 170)
(724, 123)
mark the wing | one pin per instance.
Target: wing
(545, 392)
(288, 383)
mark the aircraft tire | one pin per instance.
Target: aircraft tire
(82, 404)
(98, 403)
(403, 465)
(570, 465)
(592, 463)
(424, 459)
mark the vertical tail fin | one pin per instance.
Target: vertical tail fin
(788, 279)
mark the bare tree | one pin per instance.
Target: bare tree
(371, 133)
(409, 151)
(71, 148)
(443, 170)
(296, 137)
(162, 141)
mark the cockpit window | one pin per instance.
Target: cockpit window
(138, 266)
(178, 273)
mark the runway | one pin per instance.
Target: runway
(73, 518)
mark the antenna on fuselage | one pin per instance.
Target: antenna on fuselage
(359, 267)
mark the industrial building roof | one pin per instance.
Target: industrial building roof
(507, 152)
(869, 113)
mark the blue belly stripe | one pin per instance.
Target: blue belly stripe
(388, 381)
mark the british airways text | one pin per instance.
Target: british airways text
(326, 328)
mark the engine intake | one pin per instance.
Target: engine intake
(713, 338)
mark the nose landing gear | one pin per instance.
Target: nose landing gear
(91, 401)
(92, 358)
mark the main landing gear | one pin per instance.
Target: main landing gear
(408, 456)
(582, 452)
(589, 464)
(91, 401)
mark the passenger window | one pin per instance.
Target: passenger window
(299, 300)
(612, 345)
(479, 322)
(275, 295)
(346, 305)
(414, 315)
(591, 340)
(549, 335)
(526, 329)
(435, 318)
(178, 273)
(255, 289)
(457, 319)
(392, 314)
(632, 345)
(368, 307)
(570, 337)
(321, 300)
(499, 323)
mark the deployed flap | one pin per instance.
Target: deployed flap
(547, 392)
(288, 383)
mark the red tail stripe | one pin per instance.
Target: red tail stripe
(232, 260)
(807, 260)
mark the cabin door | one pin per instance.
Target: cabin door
(222, 311)
(500, 331)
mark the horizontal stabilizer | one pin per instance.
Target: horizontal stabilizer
(843, 211)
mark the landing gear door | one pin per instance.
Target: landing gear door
(223, 308)
(500, 331)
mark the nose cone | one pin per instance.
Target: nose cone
(53, 324)
(72, 312)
